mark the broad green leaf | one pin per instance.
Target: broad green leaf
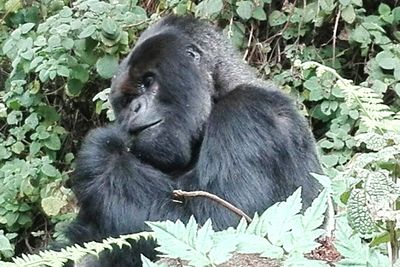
(259, 14)
(276, 18)
(52, 205)
(348, 14)
(62, 71)
(65, 12)
(4, 243)
(329, 160)
(18, 147)
(74, 87)
(386, 60)
(384, 9)
(34, 148)
(107, 66)
(49, 170)
(67, 43)
(54, 41)
(245, 9)
(35, 62)
(208, 8)
(361, 35)
(53, 142)
(14, 117)
(49, 114)
(32, 120)
(87, 31)
(25, 28)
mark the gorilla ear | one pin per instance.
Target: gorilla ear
(193, 52)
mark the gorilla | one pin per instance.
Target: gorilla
(190, 115)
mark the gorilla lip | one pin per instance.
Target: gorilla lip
(140, 128)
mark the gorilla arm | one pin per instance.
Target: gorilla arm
(116, 192)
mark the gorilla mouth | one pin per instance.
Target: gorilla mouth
(137, 129)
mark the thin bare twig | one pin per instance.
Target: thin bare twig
(249, 42)
(226, 204)
(334, 38)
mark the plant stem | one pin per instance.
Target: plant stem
(394, 245)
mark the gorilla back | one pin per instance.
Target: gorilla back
(192, 116)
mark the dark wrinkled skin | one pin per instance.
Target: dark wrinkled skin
(186, 120)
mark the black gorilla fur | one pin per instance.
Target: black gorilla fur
(190, 116)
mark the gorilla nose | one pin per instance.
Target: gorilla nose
(135, 108)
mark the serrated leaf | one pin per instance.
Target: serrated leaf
(314, 216)
(354, 252)
(203, 241)
(174, 242)
(359, 216)
(278, 219)
(107, 66)
(252, 244)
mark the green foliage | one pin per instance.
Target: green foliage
(353, 250)
(281, 232)
(278, 233)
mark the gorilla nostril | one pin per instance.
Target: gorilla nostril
(137, 108)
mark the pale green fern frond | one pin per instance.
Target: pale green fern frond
(74, 253)
(374, 114)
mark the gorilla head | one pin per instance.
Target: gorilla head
(153, 96)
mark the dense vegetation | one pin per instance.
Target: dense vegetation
(339, 59)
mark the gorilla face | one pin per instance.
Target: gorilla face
(153, 97)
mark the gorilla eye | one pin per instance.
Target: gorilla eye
(148, 80)
(193, 52)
